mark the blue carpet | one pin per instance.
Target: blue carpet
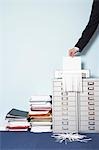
(42, 141)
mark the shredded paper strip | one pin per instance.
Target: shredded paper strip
(70, 137)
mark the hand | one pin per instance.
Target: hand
(73, 52)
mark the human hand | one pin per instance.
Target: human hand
(73, 51)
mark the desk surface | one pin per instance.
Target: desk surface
(42, 141)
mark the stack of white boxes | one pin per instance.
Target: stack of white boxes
(89, 106)
(64, 109)
(74, 112)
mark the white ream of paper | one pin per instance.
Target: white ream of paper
(41, 98)
(40, 129)
(72, 75)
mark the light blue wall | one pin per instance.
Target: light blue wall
(34, 36)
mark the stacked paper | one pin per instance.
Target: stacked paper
(40, 113)
(18, 125)
(17, 120)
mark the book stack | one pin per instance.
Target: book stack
(40, 113)
(17, 120)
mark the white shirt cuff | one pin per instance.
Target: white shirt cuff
(76, 48)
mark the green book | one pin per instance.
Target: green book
(16, 113)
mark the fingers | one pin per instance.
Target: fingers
(72, 52)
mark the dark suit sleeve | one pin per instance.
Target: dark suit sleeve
(91, 26)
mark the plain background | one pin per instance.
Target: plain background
(34, 37)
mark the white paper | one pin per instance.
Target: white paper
(71, 63)
(18, 123)
(38, 112)
(41, 105)
(72, 74)
(43, 98)
(41, 129)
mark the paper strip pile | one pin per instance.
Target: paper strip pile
(70, 137)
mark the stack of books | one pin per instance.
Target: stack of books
(40, 113)
(17, 120)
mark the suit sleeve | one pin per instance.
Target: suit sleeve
(91, 26)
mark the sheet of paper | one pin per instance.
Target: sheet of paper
(72, 75)
(71, 63)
